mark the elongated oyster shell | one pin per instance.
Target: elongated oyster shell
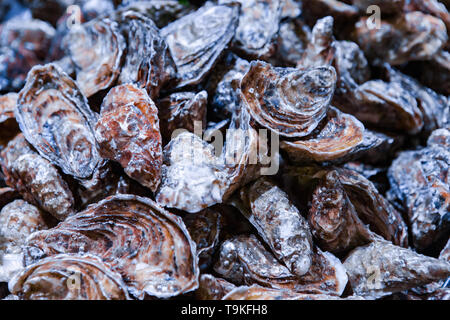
(56, 119)
(69, 277)
(419, 180)
(96, 48)
(333, 218)
(280, 224)
(320, 50)
(197, 40)
(341, 135)
(36, 179)
(258, 26)
(256, 292)
(18, 220)
(244, 261)
(181, 110)
(212, 288)
(128, 132)
(288, 101)
(148, 62)
(147, 245)
(407, 37)
(381, 268)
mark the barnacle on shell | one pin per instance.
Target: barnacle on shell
(128, 132)
(197, 40)
(96, 48)
(56, 119)
(288, 101)
(147, 245)
(69, 277)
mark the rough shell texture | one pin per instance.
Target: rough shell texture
(69, 277)
(243, 260)
(407, 37)
(341, 135)
(36, 179)
(419, 181)
(56, 119)
(258, 26)
(280, 224)
(288, 101)
(18, 220)
(212, 288)
(181, 110)
(380, 268)
(147, 245)
(96, 48)
(148, 62)
(128, 132)
(197, 40)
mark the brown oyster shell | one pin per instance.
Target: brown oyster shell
(256, 292)
(279, 223)
(128, 132)
(197, 40)
(341, 135)
(407, 37)
(212, 288)
(23, 44)
(36, 179)
(288, 101)
(56, 119)
(96, 48)
(381, 268)
(258, 26)
(244, 261)
(148, 62)
(204, 229)
(147, 245)
(181, 110)
(333, 219)
(419, 181)
(69, 277)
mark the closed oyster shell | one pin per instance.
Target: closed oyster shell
(244, 261)
(181, 110)
(128, 132)
(419, 181)
(212, 288)
(96, 48)
(69, 277)
(148, 62)
(197, 40)
(333, 219)
(342, 134)
(147, 245)
(279, 223)
(288, 101)
(381, 268)
(56, 119)
(258, 26)
(36, 179)
(18, 220)
(407, 37)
